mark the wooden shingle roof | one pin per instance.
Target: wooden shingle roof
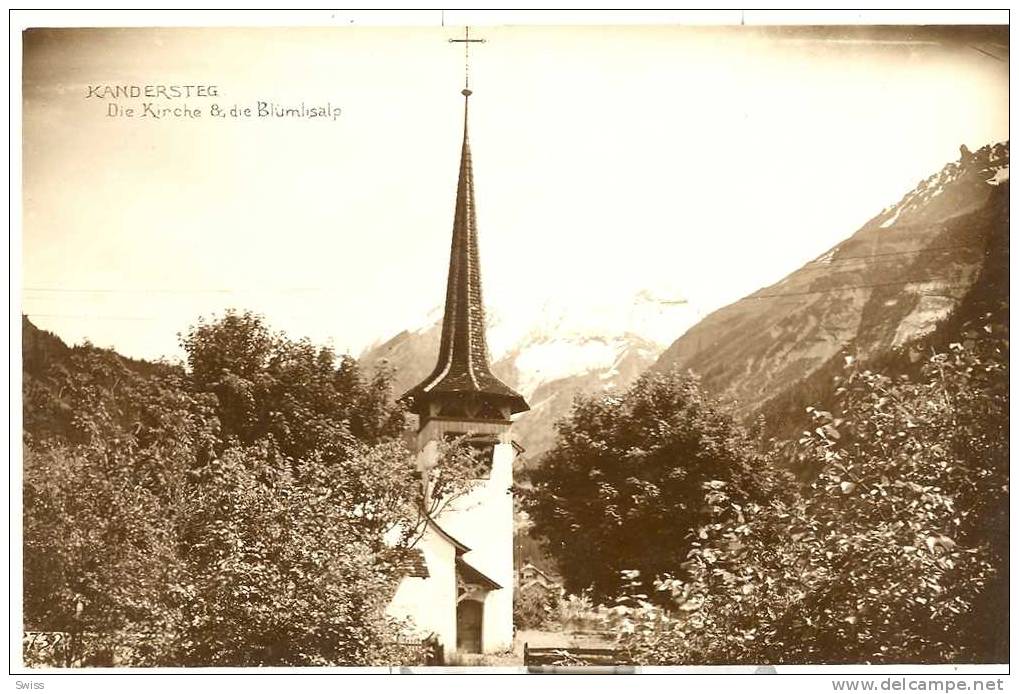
(414, 564)
(462, 366)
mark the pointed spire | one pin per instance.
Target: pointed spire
(462, 370)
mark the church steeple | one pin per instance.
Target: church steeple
(462, 384)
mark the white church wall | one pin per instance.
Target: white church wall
(483, 520)
(431, 602)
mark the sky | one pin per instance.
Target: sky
(701, 163)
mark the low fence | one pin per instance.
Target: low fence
(427, 651)
(573, 657)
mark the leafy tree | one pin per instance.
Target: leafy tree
(110, 445)
(233, 514)
(269, 385)
(897, 551)
(283, 571)
(98, 551)
(620, 490)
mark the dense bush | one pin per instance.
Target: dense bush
(534, 607)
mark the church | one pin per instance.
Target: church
(461, 587)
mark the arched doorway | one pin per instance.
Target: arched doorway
(468, 626)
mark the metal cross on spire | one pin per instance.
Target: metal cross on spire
(467, 41)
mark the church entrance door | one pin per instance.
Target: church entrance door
(468, 626)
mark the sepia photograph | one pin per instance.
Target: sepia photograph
(481, 343)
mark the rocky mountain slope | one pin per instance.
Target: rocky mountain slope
(891, 282)
(553, 355)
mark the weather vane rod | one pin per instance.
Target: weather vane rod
(467, 41)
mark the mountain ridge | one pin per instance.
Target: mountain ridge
(894, 280)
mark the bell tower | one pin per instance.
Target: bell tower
(462, 397)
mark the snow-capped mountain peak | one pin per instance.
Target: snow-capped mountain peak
(953, 185)
(552, 351)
